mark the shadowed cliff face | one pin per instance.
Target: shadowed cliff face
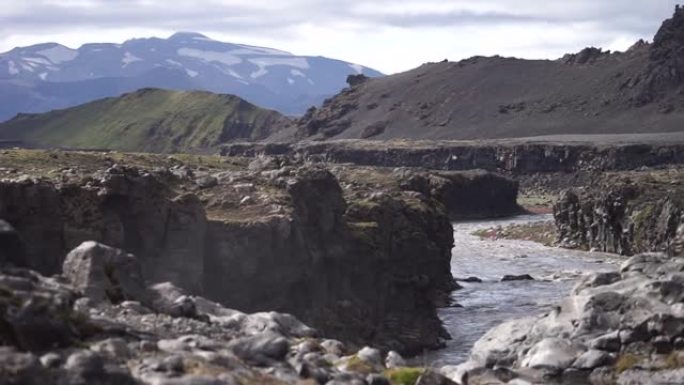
(367, 263)
(520, 156)
(624, 216)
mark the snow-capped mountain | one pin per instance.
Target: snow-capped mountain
(48, 76)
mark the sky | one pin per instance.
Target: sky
(388, 35)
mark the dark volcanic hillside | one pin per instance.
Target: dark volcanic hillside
(493, 97)
(149, 120)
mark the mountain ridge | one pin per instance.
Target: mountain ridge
(268, 77)
(590, 92)
(148, 120)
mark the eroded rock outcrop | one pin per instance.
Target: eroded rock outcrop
(467, 195)
(367, 263)
(624, 217)
(517, 157)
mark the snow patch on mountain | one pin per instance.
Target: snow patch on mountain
(248, 50)
(59, 54)
(357, 67)
(298, 62)
(234, 74)
(211, 56)
(12, 68)
(35, 61)
(173, 63)
(259, 73)
(129, 58)
(191, 73)
(298, 73)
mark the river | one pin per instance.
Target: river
(491, 302)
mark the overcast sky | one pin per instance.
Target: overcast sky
(389, 35)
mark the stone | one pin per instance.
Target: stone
(471, 280)
(21, 368)
(433, 377)
(260, 350)
(169, 299)
(36, 313)
(333, 347)
(207, 182)
(394, 360)
(371, 356)
(592, 359)
(522, 277)
(51, 360)
(609, 342)
(551, 353)
(376, 379)
(85, 362)
(662, 345)
(347, 379)
(284, 324)
(103, 273)
(115, 348)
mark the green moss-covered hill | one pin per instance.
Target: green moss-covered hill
(148, 120)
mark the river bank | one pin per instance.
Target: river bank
(490, 302)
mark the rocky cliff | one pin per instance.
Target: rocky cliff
(361, 260)
(98, 323)
(626, 215)
(520, 156)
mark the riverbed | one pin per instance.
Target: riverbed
(491, 302)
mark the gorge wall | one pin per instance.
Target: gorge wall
(510, 156)
(624, 215)
(367, 263)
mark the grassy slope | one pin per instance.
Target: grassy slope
(148, 120)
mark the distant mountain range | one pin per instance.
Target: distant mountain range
(48, 76)
(148, 120)
(590, 92)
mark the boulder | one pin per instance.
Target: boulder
(592, 359)
(35, 312)
(103, 273)
(261, 350)
(522, 277)
(551, 353)
(394, 360)
(21, 368)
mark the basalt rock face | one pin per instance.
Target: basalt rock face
(468, 195)
(517, 157)
(370, 271)
(666, 69)
(366, 269)
(124, 208)
(624, 218)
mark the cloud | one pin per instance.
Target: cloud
(391, 35)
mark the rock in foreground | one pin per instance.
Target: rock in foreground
(624, 327)
(51, 333)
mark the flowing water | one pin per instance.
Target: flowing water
(491, 302)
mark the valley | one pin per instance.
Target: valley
(209, 213)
